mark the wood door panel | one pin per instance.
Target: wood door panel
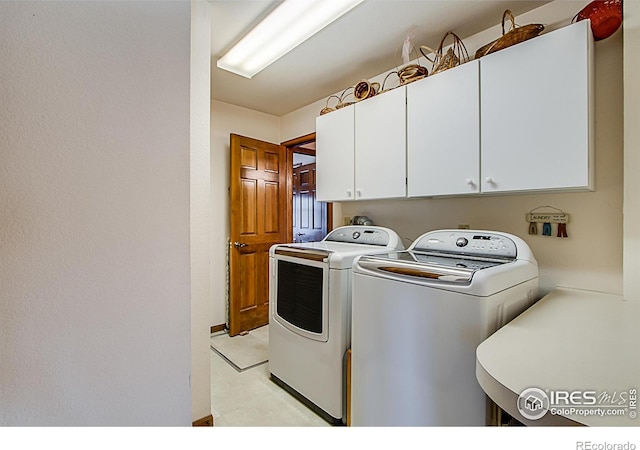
(254, 286)
(319, 213)
(249, 158)
(271, 162)
(307, 205)
(271, 208)
(249, 201)
(248, 280)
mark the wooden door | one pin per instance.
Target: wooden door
(309, 215)
(259, 209)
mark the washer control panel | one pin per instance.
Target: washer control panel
(467, 243)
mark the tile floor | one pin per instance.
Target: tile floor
(249, 398)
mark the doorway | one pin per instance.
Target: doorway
(310, 219)
(309, 215)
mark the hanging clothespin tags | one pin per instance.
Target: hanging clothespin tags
(547, 219)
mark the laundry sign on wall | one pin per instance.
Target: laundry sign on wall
(558, 218)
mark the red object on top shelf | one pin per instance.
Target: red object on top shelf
(605, 16)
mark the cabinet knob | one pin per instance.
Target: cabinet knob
(349, 193)
(470, 182)
(489, 180)
(358, 192)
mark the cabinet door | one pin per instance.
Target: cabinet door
(536, 113)
(380, 136)
(443, 133)
(335, 155)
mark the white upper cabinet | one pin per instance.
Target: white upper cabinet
(335, 155)
(361, 150)
(443, 133)
(536, 113)
(381, 146)
(518, 120)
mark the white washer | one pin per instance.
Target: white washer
(418, 316)
(310, 312)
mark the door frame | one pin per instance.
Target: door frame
(292, 147)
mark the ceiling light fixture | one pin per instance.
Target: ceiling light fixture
(289, 25)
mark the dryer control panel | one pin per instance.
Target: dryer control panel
(467, 242)
(362, 235)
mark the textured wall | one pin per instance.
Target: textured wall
(631, 26)
(201, 304)
(94, 222)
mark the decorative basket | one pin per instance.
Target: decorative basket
(514, 36)
(605, 16)
(411, 73)
(365, 89)
(327, 109)
(341, 103)
(456, 54)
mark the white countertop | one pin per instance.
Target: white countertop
(570, 340)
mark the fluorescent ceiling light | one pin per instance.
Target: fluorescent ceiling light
(289, 25)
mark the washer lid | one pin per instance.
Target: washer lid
(450, 269)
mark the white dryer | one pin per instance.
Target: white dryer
(310, 313)
(418, 316)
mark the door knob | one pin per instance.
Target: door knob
(239, 244)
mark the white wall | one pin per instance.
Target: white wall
(631, 26)
(591, 258)
(227, 119)
(94, 229)
(201, 305)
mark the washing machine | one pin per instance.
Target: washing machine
(418, 316)
(310, 313)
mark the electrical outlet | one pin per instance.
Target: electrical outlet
(346, 220)
(463, 226)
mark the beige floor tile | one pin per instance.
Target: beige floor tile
(249, 398)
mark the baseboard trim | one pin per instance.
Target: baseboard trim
(216, 328)
(204, 422)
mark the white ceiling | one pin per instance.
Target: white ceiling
(363, 43)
